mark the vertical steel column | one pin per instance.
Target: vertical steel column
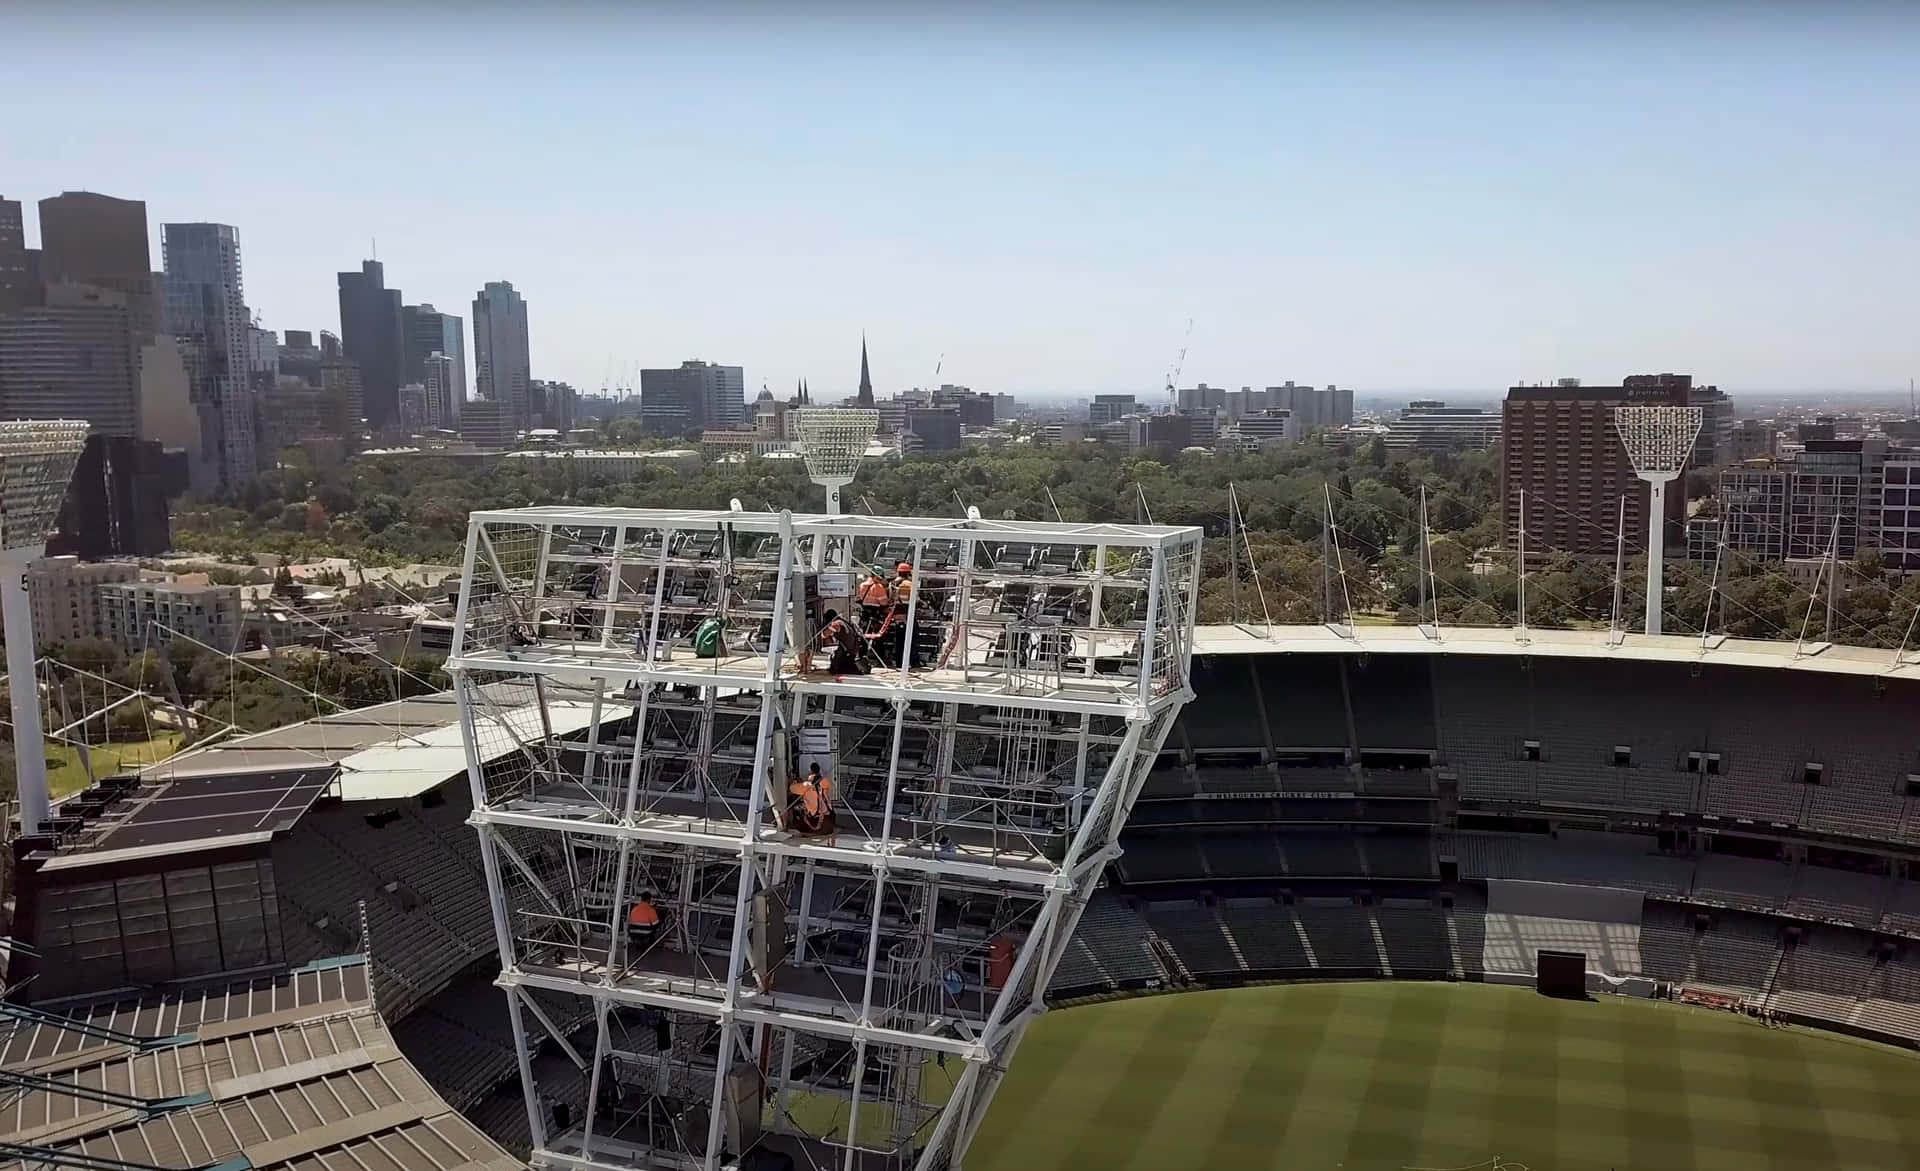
(613, 584)
(749, 835)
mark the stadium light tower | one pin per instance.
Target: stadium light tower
(36, 461)
(832, 441)
(1658, 439)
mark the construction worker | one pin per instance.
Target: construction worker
(897, 622)
(814, 807)
(875, 598)
(849, 649)
(643, 927)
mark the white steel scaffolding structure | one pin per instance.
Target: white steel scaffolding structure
(845, 995)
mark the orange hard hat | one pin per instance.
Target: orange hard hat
(904, 567)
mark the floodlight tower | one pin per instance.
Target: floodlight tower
(36, 461)
(1658, 439)
(832, 441)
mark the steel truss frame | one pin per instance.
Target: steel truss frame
(805, 992)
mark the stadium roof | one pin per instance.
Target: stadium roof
(294, 1070)
(192, 809)
(385, 752)
(245, 789)
(1715, 650)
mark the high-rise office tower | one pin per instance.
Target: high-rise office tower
(693, 397)
(1312, 408)
(346, 405)
(503, 368)
(1714, 444)
(92, 239)
(554, 404)
(1561, 450)
(71, 358)
(207, 312)
(370, 336)
(444, 392)
(425, 331)
(18, 286)
(117, 504)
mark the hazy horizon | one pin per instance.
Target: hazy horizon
(1029, 198)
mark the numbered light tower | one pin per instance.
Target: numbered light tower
(36, 463)
(832, 441)
(738, 968)
(1659, 441)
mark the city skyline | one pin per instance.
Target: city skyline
(1386, 199)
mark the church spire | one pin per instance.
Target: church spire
(866, 379)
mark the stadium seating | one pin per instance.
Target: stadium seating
(1467, 931)
(1890, 999)
(1232, 721)
(1392, 703)
(1749, 883)
(1320, 855)
(1196, 935)
(1822, 975)
(1763, 729)
(1302, 699)
(1902, 913)
(1415, 938)
(1266, 933)
(1117, 941)
(461, 1041)
(1736, 955)
(418, 873)
(1397, 857)
(1667, 942)
(1841, 895)
(1624, 861)
(1340, 937)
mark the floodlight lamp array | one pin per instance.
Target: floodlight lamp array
(1658, 439)
(832, 440)
(36, 462)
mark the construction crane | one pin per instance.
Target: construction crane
(1179, 363)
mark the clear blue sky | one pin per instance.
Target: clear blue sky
(1382, 198)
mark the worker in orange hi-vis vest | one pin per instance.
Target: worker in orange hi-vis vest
(898, 653)
(643, 926)
(875, 599)
(814, 811)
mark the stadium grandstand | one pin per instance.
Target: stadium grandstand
(284, 851)
(1729, 822)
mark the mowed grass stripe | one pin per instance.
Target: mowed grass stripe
(1459, 1127)
(1526, 1105)
(1322, 1118)
(1293, 1025)
(1160, 1057)
(1191, 1106)
(1791, 1131)
(1399, 1085)
(1042, 1114)
(1658, 1119)
(1323, 1076)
